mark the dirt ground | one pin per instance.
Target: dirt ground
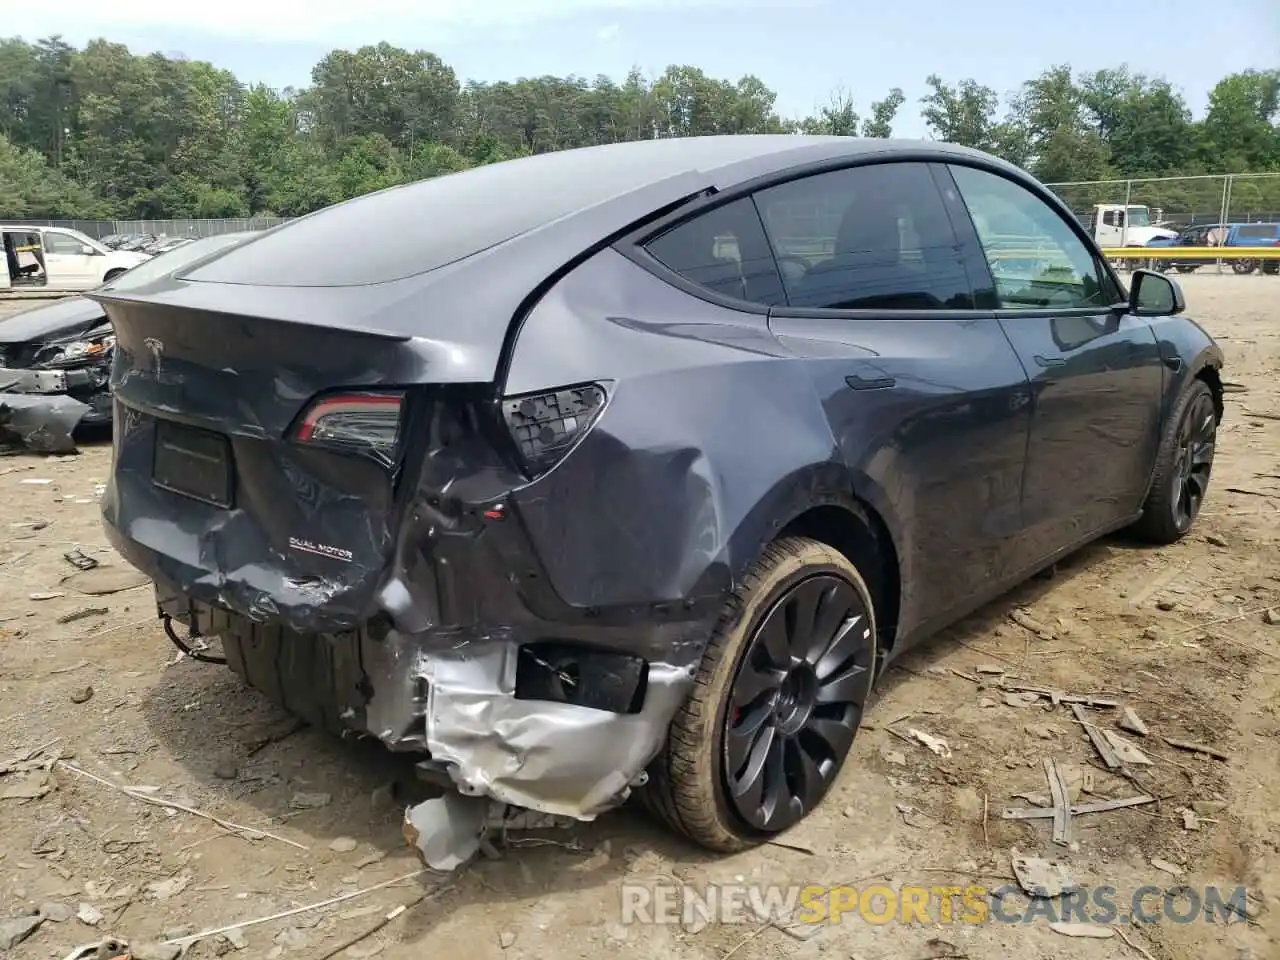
(1180, 634)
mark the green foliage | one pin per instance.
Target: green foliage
(100, 131)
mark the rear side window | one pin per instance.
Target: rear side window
(62, 243)
(871, 237)
(724, 250)
(1259, 231)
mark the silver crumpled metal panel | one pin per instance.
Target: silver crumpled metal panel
(555, 758)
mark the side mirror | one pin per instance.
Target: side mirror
(87, 250)
(1153, 294)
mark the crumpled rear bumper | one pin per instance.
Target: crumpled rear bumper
(464, 699)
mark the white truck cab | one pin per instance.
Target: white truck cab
(58, 258)
(1115, 225)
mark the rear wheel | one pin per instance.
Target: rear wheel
(778, 699)
(1183, 466)
(1244, 266)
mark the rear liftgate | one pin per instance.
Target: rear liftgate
(357, 552)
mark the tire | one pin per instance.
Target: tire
(1185, 268)
(1185, 457)
(1244, 267)
(1271, 267)
(692, 783)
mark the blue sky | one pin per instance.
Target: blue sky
(802, 48)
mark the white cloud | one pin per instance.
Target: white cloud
(608, 33)
(318, 21)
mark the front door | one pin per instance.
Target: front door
(69, 266)
(1095, 371)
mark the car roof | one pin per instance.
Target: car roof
(418, 227)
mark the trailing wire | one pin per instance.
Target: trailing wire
(184, 646)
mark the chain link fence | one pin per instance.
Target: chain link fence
(168, 228)
(1175, 202)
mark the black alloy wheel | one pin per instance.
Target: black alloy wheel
(796, 702)
(1197, 435)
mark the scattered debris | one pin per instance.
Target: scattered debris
(1092, 930)
(1020, 699)
(88, 914)
(1166, 605)
(332, 901)
(16, 929)
(1189, 819)
(1061, 802)
(1100, 743)
(1039, 877)
(506, 939)
(1131, 722)
(1025, 620)
(939, 949)
(43, 595)
(57, 912)
(36, 481)
(1271, 616)
(936, 744)
(82, 695)
(236, 938)
(82, 614)
(167, 889)
(1206, 808)
(913, 817)
(31, 787)
(1198, 748)
(78, 559)
(248, 833)
(989, 668)
(1077, 809)
(109, 949)
(310, 801)
(343, 845)
(1125, 750)
(896, 757)
(226, 770)
(102, 580)
(1215, 540)
(1164, 865)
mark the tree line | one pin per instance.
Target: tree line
(101, 132)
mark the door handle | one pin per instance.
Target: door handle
(1050, 361)
(873, 383)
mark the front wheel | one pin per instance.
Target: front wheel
(1243, 267)
(1183, 465)
(778, 699)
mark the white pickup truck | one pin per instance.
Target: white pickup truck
(58, 258)
(1115, 225)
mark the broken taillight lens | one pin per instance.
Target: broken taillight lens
(364, 423)
(546, 425)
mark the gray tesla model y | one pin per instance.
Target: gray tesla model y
(629, 468)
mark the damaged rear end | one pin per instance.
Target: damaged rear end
(322, 478)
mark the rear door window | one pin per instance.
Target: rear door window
(1258, 231)
(867, 237)
(725, 251)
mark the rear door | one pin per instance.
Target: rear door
(69, 266)
(1095, 371)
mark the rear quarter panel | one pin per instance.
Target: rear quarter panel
(713, 437)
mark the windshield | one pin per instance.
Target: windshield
(83, 238)
(176, 259)
(1139, 217)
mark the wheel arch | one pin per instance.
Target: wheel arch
(827, 503)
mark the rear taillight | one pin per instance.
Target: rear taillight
(546, 425)
(364, 423)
